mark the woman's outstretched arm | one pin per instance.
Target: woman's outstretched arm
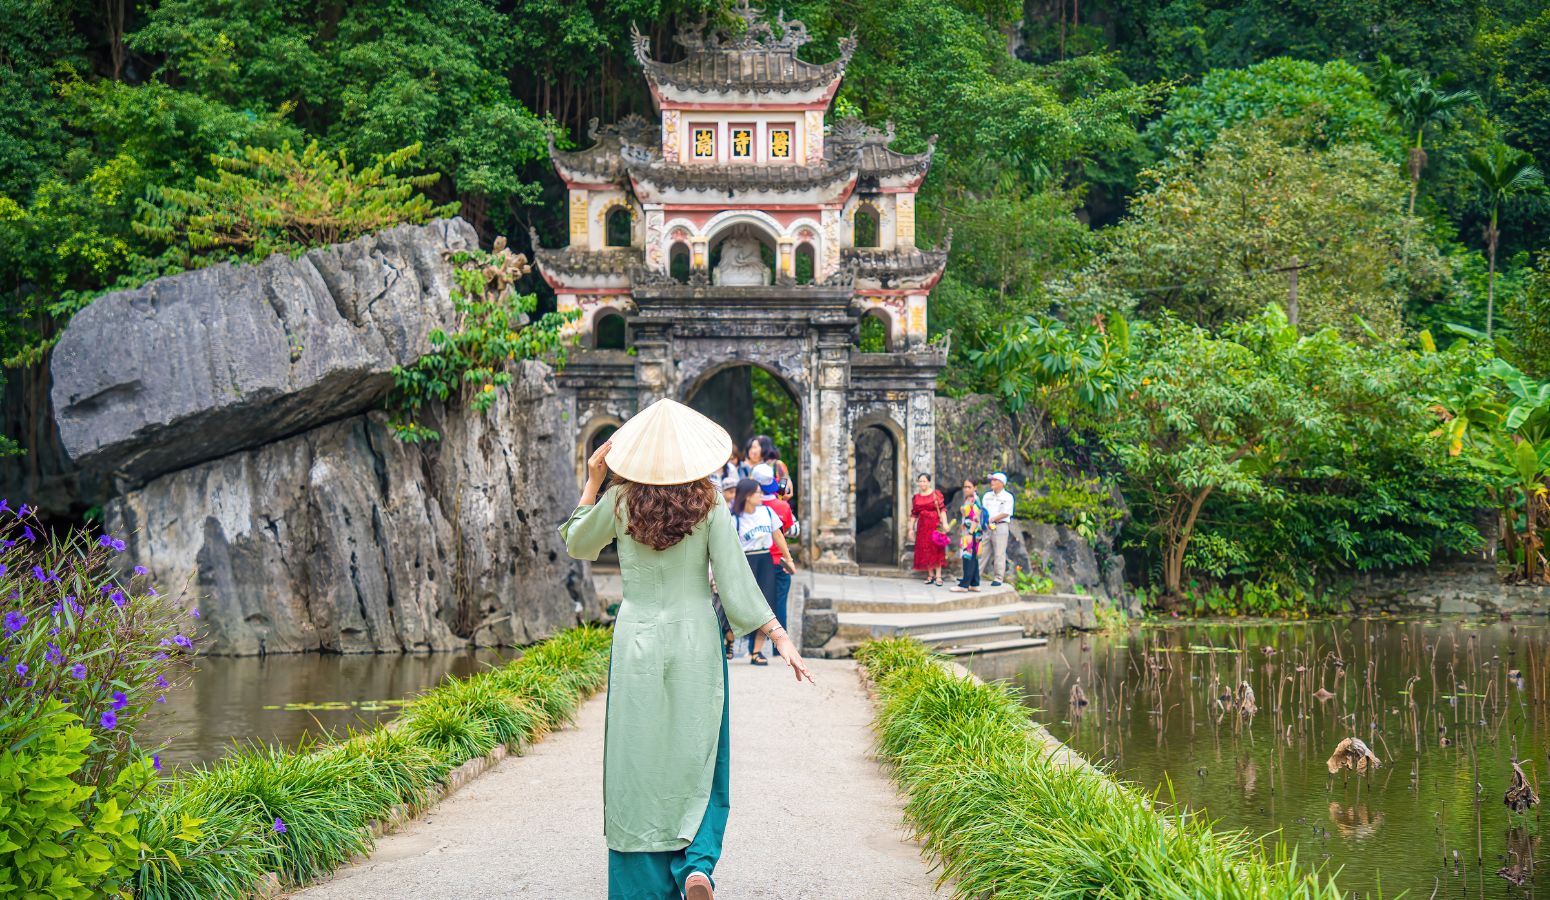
(741, 598)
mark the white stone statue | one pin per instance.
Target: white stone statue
(741, 264)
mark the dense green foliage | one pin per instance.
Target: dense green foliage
(1178, 165)
(1009, 815)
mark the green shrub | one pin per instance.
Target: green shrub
(265, 201)
(60, 834)
(1006, 821)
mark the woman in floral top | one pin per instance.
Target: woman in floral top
(972, 515)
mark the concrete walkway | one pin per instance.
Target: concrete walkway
(813, 815)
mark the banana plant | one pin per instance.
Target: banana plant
(1505, 423)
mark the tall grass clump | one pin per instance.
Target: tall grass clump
(1006, 820)
(302, 813)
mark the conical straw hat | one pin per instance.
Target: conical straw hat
(668, 443)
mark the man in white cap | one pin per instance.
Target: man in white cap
(998, 503)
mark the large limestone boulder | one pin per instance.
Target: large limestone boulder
(343, 539)
(195, 366)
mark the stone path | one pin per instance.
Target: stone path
(813, 815)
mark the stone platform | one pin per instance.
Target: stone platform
(831, 614)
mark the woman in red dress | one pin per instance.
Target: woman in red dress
(926, 517)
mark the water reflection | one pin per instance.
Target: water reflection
(281, 699)
(1242, 721)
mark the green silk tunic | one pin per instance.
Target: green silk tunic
(665, 689)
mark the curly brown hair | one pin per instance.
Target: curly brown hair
(661, 515)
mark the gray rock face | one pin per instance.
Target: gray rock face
(974, 437)
(343, 539)
(1071, 561)
(195, 366)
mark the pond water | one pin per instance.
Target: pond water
(1443, 704)
(282, 699)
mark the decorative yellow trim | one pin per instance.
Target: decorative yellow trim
(578, 219)
(904, 224)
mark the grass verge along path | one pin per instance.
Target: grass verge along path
(303, 813)
(1006, 820)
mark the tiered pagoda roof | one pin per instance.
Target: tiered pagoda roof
(852, 138)
(897, 268)
(755, 61)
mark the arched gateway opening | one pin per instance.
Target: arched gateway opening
(877, 502)
(747, 400)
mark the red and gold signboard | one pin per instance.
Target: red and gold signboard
(742, 142)
(780, 143)
(703, 140)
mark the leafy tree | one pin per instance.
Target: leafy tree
(1215, 238)
(272, 201)
(1267, 442)
(1503, 173)
(369, 78)
(1332, 103)
(1528, 312)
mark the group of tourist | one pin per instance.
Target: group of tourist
(758, 489)
(983, 523)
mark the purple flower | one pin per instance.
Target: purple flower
(156, 762)
(78, 671)
(279, 826)
(106, 589)
(14, 622)
(109, 720)
(23, 511)
(74, 606)
(53, 655)
(21, 668)
(152, 592)
(5, 504)
(183, 642)
(160, 655)
(118, 598)
(27, 533)
(194, 612)
(119, 700)
(118, 546)
(37, 572)
(139, 570)
(161, 681)
(161, 698)
(105, 541)
(2, 565)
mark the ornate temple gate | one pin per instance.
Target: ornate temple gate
(743, 217)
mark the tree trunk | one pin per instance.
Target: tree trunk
(1490, 278)
(1177, 542)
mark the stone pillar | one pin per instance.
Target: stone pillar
(655, 373)
(920, 436)
(834, 543)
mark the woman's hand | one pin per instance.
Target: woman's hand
(788, 565)
(788, 652)
(597, 463)
(597, 470)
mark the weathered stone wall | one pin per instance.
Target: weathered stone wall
(1466, 586)
(344, 539)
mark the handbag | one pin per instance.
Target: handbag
(939, 537)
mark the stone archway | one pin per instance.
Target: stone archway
(746, 399)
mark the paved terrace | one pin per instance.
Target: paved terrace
(813, 815)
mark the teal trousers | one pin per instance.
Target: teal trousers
(660, 875)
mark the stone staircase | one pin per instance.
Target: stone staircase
(956, 624)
